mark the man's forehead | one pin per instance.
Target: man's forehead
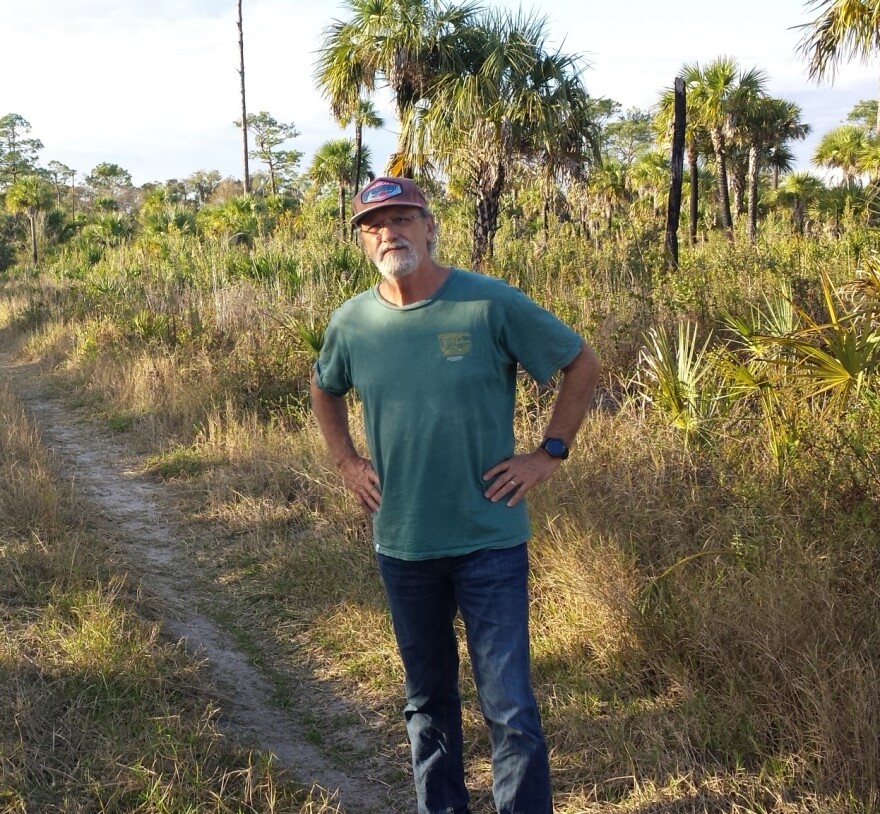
(386, 212)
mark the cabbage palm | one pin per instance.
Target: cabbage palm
(843, 30)
(512, 99)
(800, 190)
(362, 114)
(398, 43)
(723, 92)
(30, 195)
(843, 149)
(768, 123)
(334, 164)
(649, 175)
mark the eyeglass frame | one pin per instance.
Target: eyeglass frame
(395, 222)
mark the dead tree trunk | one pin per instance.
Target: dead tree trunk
(246, 178)
(673, 209)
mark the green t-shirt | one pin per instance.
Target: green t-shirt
(437, 380)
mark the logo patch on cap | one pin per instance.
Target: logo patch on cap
(381, 192)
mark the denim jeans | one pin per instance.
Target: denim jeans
(489, 588)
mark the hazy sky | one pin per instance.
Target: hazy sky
(152, 85)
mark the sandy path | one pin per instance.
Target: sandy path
(139, 514)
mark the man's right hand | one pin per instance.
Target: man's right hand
(363, 482)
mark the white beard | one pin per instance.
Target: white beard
(396, 264)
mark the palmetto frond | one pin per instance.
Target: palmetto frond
(676, 378)
(843, 30)
(833, 359)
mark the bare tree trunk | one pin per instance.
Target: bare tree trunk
(877, 123)
(246, 178)
(32, 218)
(342, 218)
(694, 210)
(358, 151)
(673, 209)
(753, 191)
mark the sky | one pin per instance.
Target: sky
(153, 85)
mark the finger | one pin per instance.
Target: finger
(503, 486)
(518, 495)
(498, 469)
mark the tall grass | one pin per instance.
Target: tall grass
(97, 712)
(706, 620)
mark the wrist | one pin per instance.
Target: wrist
(555, 448)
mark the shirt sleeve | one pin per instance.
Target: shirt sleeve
(332, 368)
(537, 339)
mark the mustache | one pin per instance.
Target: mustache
(397, 243)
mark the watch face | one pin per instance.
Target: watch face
(555, 447)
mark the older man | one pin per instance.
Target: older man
(432, 353)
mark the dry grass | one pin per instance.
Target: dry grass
(98, 712)
(705, 636)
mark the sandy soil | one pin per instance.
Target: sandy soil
(140, 515)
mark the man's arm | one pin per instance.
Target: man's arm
(517, 475)
(331, 413)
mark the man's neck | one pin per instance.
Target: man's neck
(420, 285)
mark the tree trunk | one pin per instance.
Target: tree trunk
(673, 209)
(342, 218)
(877, 123)
(490, 182)
(721, 177)
(358, 140)
(754, 168)
(246, 178)
(32, 219)
(738, 184)
(694, 196)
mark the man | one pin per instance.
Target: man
(432, 352)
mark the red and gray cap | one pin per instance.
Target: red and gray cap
(387, 191)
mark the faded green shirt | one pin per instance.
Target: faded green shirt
(437, 380)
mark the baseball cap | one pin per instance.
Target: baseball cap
(386, 191)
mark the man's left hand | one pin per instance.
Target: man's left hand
(513, 477)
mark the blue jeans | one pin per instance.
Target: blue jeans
(490, 590)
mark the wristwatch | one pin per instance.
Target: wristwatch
(555, 448)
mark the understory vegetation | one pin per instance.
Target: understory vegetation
(706, 623)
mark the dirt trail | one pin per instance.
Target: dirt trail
(140, 516)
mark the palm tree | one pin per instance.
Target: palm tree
(362, 114)
(334, 163)
(769, 123)
(842, 149)
(511, 99)
(31, 195)
(607, 186)
(800, 190)
(723, 93)
(401, 43)
(649, 176)
(843, 30)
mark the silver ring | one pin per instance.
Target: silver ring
(512, 482)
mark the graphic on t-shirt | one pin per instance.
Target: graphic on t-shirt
(454, 346)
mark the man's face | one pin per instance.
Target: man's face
(396, 239)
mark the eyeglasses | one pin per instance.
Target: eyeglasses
(397, 222)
